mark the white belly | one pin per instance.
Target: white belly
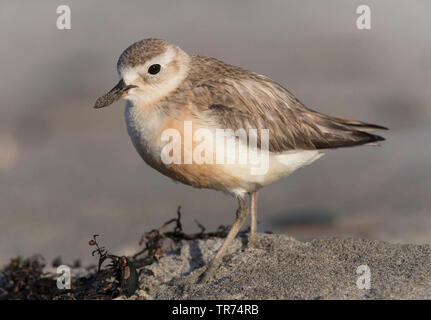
(279, 165)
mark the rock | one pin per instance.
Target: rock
(283, 268)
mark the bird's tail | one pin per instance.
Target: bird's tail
(358, 125)
(340, 132)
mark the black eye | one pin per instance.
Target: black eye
(153, 69)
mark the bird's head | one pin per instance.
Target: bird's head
(149, 70)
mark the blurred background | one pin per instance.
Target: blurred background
(68, 171)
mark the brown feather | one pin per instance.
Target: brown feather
(237, 99)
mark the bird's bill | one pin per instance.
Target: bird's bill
(116, 93)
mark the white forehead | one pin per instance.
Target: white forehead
(131, 73)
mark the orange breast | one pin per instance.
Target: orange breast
(205, 175)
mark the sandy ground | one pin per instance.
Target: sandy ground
(284, 268)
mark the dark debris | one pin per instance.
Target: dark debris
(25, 279)
(113, 276)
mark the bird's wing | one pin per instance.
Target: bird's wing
(254, 101)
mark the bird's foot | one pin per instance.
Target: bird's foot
(207, 276)
(252, 241)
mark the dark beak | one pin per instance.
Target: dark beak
(116, 93)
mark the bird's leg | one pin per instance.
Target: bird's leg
(253, 224)
(241, 215)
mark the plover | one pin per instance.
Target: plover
(166, 88)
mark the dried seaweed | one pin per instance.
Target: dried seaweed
(25, 279)
(113, 276)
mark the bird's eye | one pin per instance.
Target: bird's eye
(153, 69)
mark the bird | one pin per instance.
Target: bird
(166, 88)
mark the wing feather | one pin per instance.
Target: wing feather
(238, 99)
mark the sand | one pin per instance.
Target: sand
(284, 268)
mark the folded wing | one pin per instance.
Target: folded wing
(249, 100)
